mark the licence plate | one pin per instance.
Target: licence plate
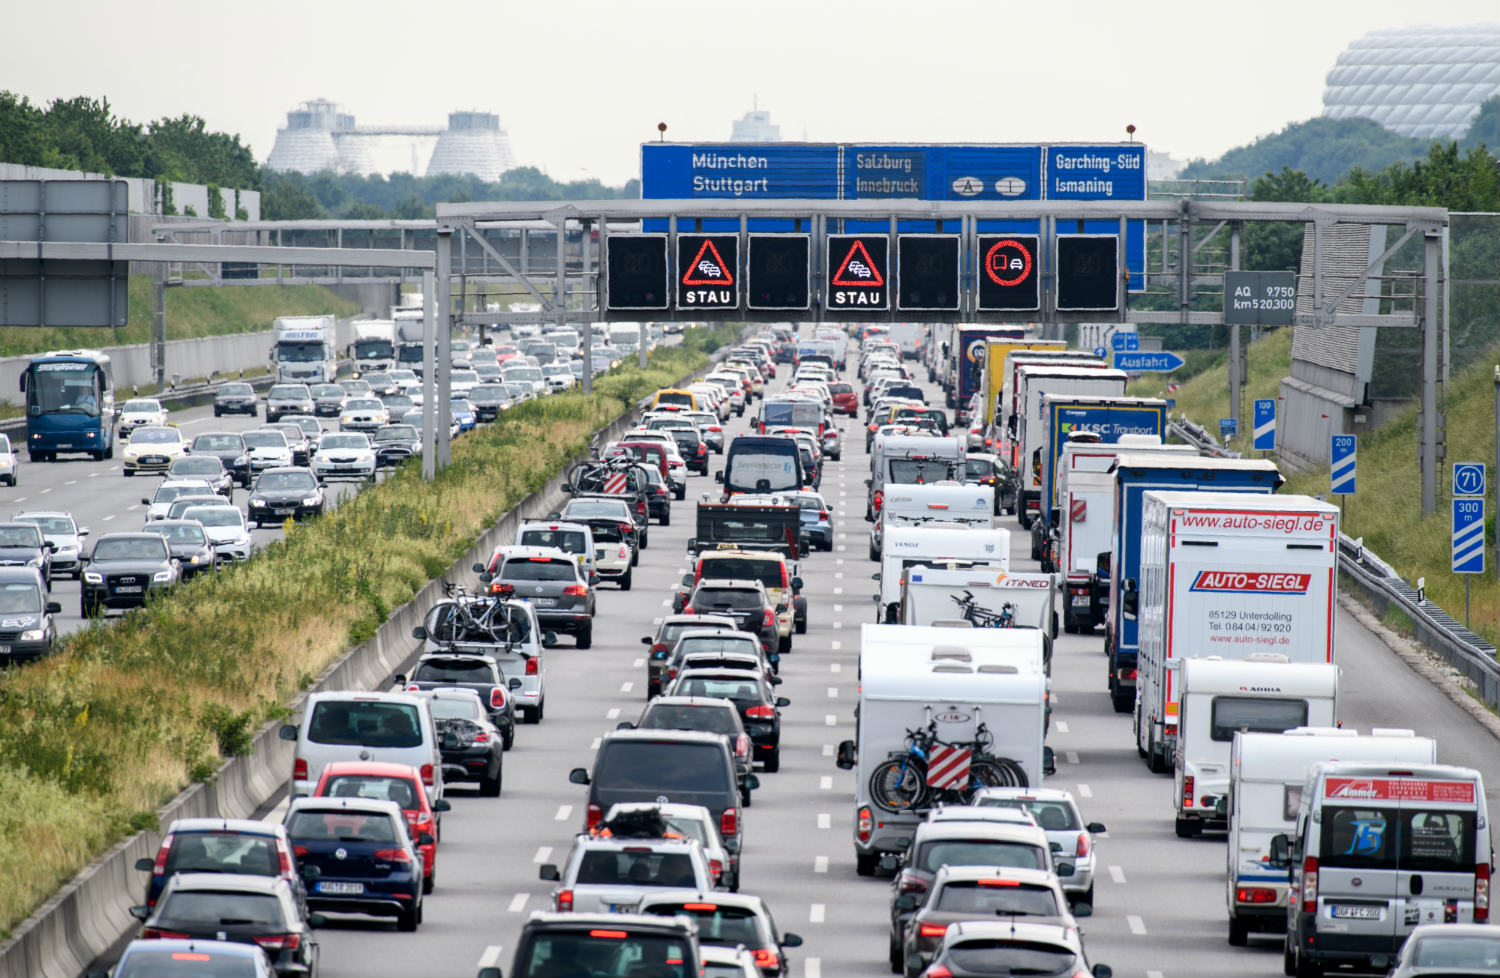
(129, 589)
(544, 602)
(620, 907)
(154, 459)
(343, 888)
(4, 649)
(1358, 913)
(284, 512)
(1080, 599)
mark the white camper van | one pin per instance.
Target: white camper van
(1266, 774)
(953, 593)
(905, 546)
(946, 502)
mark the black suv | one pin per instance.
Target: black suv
(743, 600)
(604, 944)
(235, 399)
(481, 673)
(752, 696)
(22, 545)
(284, 492)
(228, 447)
(124, 569)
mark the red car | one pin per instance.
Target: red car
(400, 783)
(845, 399)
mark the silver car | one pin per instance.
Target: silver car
(59, 529)
(1055, 813)
(613, 875)
(1440, 950)
(225, 526)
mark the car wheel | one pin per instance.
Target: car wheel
(129, 473)
(490, 787)
(1239, 934)
(680, 492)
(406, 920)
(635, 557)
(666, 518)
(799, 615)
(625, 581)
(430, 880)
(773, 760)
(783, 644)
(218, 413)
(645, 541)
(895, 956)
(865, 864)
(745, 797)
(585, 637)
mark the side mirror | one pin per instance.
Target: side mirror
(776, 680)
(140, 911)
(54, 608)
(692, 545)
(1064, 870)
(549, 872)
(1097, 828)
(906, 901)
(875, 576)
(287, 732)
(796, 584)
(1049, 762)
(889, 862)
(425, 839)
(51, 547)
(578, 776)
(593, 578)
(1129, 604)
(687, 581)
(625, 725)
(719, 477)
(486, 577)
(399, 679)
(1083, 910)
(145, 864)
(549, 639)
(791, 940)
(846, 755)
(145, 501)
(316, 920)
(751, 782)
(1281, 851)
(83, 533)
(645, 639)
(478, 568)
(1103, 971)
(490, 973)
(419, 632)
(783, 701)
(567, 489)
(309, 873)
(442, 805)
(513, 684)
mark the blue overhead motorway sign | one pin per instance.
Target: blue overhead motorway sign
(1140, 362)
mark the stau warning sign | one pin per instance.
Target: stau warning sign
(708, 271)
(858, 271)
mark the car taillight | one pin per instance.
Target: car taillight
(765, 957)
(688, 610)
(413, 688)
(392, 856)
(498, 588)
(531, 667)
(761, 712)
(729, 822)
(770, 618)
(594, 817)
(1187, 792)
(912, 884)
(1310, 884)
(300, 850)
(481, 737)
(151, 933)
(1254, 894)
(279, 942)
(878, 501)
(716, 867)
(285, 859)
(1482, 893)
(427, 775)
(640, 506)
(1083, 845)
(497, 697)
(577, 590)
(564, 901)
(702, 450)
(1170, 729)
(299, 769)
(932, 930)
(822, 514)
(864, 825)
(1129, 674)
(166, 846)
(742, 745)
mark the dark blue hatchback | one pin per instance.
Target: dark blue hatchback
(366, 862)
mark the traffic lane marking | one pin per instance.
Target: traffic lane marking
(1137, 925)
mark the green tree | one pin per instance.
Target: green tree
(24, 134)
(412, 208)
(1484, 130)
(359, 211)
(289, 200)
(1321, 147)
(1278, 247)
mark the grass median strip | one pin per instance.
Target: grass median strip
(95, 739)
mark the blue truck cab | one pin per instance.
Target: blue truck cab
(1134, 475)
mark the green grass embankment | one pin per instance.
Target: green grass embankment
(95, 739)
(191, 312)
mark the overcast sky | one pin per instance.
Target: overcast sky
(578, 84)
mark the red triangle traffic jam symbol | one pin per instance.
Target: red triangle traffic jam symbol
(708, 268)
(858, 270)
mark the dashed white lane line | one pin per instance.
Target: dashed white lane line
(838, 576)
(843, 547)
(835, 667)
(835, 645)
(825, 820)
(637, 663)
(666, 602)
(820, 864)
(517, 904)
(71, 482)
(49, 489)
(815, 913)
(825, 783)
(1117, 873)
(1137, 925)
(613, 714)
(107, 516)
(833, 692)
(1072, 756)
(1155, 974)
(838, 608)
(839, 561)
(1084, 791)
(1061, 725)
(543, 853)
(563, 811)
(812, 968)
(491, 956)
(827, 750)
(596, 743)
(93, 475)
(838, 624)
(831, 720)
(626, 687)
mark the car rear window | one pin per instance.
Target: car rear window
(608, 952)
(662, 766)
(999, 896)
(365, 723)
(1255, 714)
(1050, 816)
(402, 791)
(223, 852)
(714, 719)
(199, 962)
(644, 868)
(340, 825)
(538, 569)
(696, 644)
(768, 572)
(723, 597)
(936, 854)
(1001, 957)
(719, 688)
(456, 670)
(568, 541)
(906, 471)
(717, 924)
(215, 908)
(1411, 838)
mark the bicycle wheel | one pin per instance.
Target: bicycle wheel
(898, 784)
(995, 772)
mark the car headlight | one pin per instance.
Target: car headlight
(162, 577)
(240, 460)
(93, 577)
(196, 559)
(311, 501)
(34, 562)
(33, 635)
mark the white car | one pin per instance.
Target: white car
(225, 527)
(168, 491)
(363, 414)
(153, 448)
(1055, 813)
(524, 374)
(344, 455)
(406, 380)
(692, 822)
(139, 411)
(559, 377)
(462, 381)
(268, 449)
(8, 461)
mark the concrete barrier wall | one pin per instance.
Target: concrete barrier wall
(92, 912)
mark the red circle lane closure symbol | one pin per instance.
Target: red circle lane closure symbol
(1008, 262)
(858, 270)
(708, 268)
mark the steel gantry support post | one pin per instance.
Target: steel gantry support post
(429, 377)
(1236, 352)
(588, 325)
(1431, 336)
(443, 353)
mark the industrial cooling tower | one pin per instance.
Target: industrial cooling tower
(472, 143)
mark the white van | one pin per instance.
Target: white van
(1264, 692)
(938, 502)
(952, 593)
(573, 538)
(1266, 774)
(1379, 849)
(910, 460)
(350, 725)
(906, 546)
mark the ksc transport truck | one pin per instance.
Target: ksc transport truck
(1226, 574)
(1169, 467)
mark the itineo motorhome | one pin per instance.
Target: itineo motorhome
(958, 593)
(1031, 428)
(954, 679)
(1264, 692)
(1266, 774)
(1226, 574)
(1379, 849)
(906, 546)
(945, 502)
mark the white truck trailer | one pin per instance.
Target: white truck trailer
(374, 347)
(1226, 574)
(950, 681)
(936, 502)
(1031, 432)
(304, 352)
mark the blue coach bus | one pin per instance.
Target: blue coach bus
(70, 404)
